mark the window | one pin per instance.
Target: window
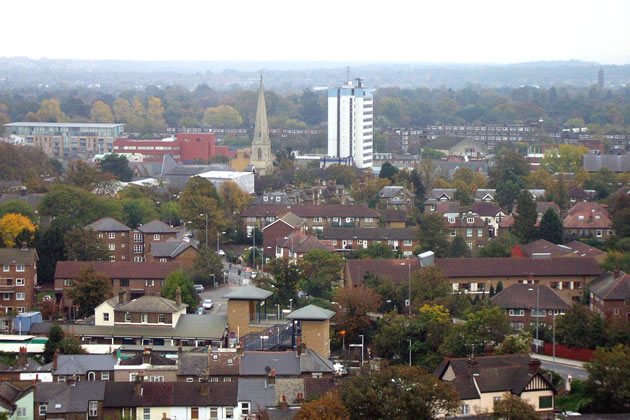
(21, 309)
(496, 399)
(162, 259)
(161, 318)
(156, 379)
(156, 237)
(19, 282)
(149, 283)
(190, 380)
(453, 232)
(479, 233)
(126, 413)
(470, 220)
(599, 233)
(349, 219)
(469, 233)
(6, 267)
(138, 259)
(105, 316)
(245, 409)
(112, 247)
(469, 245)
(317, 219)
(465, 409)
(138, 249)
(517, 312)
(144, 318)
(93, 408)
(19, 268)
(104, 376)
(369, 220)
(137, 237)
(214, 413)
(19, 296)
(91, 376)
(100, 235)
(42, 409)
(545, 402)
(67, 283)
(194, 413)
(146, 414)
(21, 412)
(451, 220)
(112, 236)
(214, 379)
(334, 242)
(265, 198)
(127, 317)
(227, 379)
(229, 412)
(538, 313)
(616, 311)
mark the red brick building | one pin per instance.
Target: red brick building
(610, 295)
(184, 147)
(18, 279)
(347, 239)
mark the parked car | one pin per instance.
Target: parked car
(199, 288)
(200, 311)
(207, 304)
(221, 253)
(340, 369)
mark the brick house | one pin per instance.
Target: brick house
(610, 295)
(297, 244)
(394, 218)
(396, 197)
(524, 303)
(346, 239)
(490, 213)
(70, 400)
(83, 367)
(138, 279)
(585, 224)
(469, 226)
(154, 367)
(153, 232)
(18, 279)
(116, 235)
(174, 250)
(278, 230)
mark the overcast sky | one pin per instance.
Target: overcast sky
(505, 31)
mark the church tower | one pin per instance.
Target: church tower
(261, 157)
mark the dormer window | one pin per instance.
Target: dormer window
(581, 217)
(278, 199)
(470, 220)
(215, 357)
(265, 199)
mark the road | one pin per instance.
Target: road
(564, 370)
(233, 281)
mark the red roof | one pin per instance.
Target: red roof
(311, 211)
(117, 270)
(587, 220)
(518, 267)
(588, 207)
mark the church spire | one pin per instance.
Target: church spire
(261, 144)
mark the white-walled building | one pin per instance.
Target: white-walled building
(350, 122)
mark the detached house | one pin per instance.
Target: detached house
(588, 224)
(298, 244)
(395, 197)
(610, 295)
(469, 226)
(491, 214)
(18, 279)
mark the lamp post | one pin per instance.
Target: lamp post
(410, 352)
(537, 311)
(554, 336)
(362, 346)
(408, 287)
(206, 214)
(291, 304)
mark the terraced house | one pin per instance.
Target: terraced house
(18, 279)
(347, 239)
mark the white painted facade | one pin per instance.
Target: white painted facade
(185, 413)
(350, 123)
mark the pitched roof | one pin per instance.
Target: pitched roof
(248, 293)
(301, 243)
(311, 361)
(436, 193)
(485, 208)
(610, 288)
(10, 395)
(324, 210)
(156, 226)
(542, 206)
(65, 398)
(378, 234)
(170, 394)
(155, 359)
(390, 191)
(69, 364)
(443, 207)
(543, 246)
(151, 304)
(445, 142)
(311, 313)
(224, 363)
(285, 363)
(583, 250)
(394, 215)
(117, 270)
(577, 192)
(258, 392)
(107, 224)
(518, 267)
(314, 387)
(395, 269)
(587, 220)
(525, 296)
(171, 248)
(588, 207)
(192, 364)
(18, 256)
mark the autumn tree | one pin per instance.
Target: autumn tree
(234, 201)
(101, 113)
(608, 379)
(50, 111)
(122, 110)
(353, 305)
(179, 279)
(155, 116)
(223, 116)
(198, 200)
(328, 407)
(566, 158)
(85, 245)
(518, 343)
(82, 175)
(525, 219)
(12, 226)
(208, 267)
(513, 407)
(89, 290)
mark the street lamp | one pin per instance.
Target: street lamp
(223, 233)
(537, 311)
(409, 288)
(206, 214)
(291, 304)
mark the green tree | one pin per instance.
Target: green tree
(464, 175)
(579, 327)
(137, 211)
(17, 207)
(499, 247)
(85, 245)
(432, 234)
(223, 116)
(512, 407)
(567, 158)
(118, 165)
(101, 113)
(388, 171)
(463, 192)
(82, 175)
(57, 339)
(285, 279)
(342, 175)
(398, 392)
(208, 266)
(321, 271)
(520, 342)
(486, 326)
(458, 248)
(77, 206)
(373, 251)
(525, 219)
(509, 166)
(200, 200)
(89, 290)
(551, 227)
(507, 193)
(609, 379)
(179, 279)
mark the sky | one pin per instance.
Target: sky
(506, 31)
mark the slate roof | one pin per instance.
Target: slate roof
(286, 363)
(156, 226)
(543, 246)
(577, 193)
(524, 296)
(107, 224)
(517, 267)
(10, 395)
(155, 359)
(311, 313)
(170, 394)
(394, 215)
(485, 208)
(445, 142)
(311, 361)
(314, 387)
(63, 398)
(192, 364)
(327, 210)
(436, 193)
(81, 364)
(257, 392)
(378, 234)
(452, 166)
(395, 269)
(171, 248)
(390, 191)
(462, 222)
(248, 293)
(610, 288)
(117, 270)
(18, 256)
(616, 163)
(151, 304)
(583, 250)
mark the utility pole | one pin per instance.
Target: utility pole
(206, 214)
(254, 247)
(537, 313)
(410, 352)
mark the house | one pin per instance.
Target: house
(576, 194)
(16, 402)
(610, 295)
(276, 198)
(297, 244)
(394, 218)
(116, 235)
(139, 279)
(285, 364)
(457, 146)
(469, 226)
(154, 366)
(448, 209)
(69, 400)
(395, 197)
(25, 370)
(316, 217)
(183, 252)
(588, 207)
(585, 224)
(525, 304)
(491, 214)
(18, 280)
(279, 229)
(482, 381)
(543, 206)
(148, 234)
(83, 367)
(346, 239)
(542, 248)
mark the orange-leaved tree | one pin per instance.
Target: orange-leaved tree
(11, 225)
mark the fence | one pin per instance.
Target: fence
(573, 353)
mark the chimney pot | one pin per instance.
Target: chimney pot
(55, 356)
(24, 246)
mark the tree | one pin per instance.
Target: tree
(520, 342)
(82, 175)
(89, 290)
(551, 227)
(579, 327)
(388, 171)
(180, 280)
(342, 175)
(155, 116)
(353, 305)
(509, 166)
(122, 110)
(85, 245)
(285, 279)
(525, 219)
(398, 392)
(458, 248)
(207, 265)
(566, 158)
(12, 225)
(50, 111)
(234, 201)
(311, 111)
(486, 326)
(499, 247)
(373, 251)
(137, 211)
(223, 116)
(432, 234)
(117, 165)
(464, 175)
(327, 407)
(609, 379)
(101, 113)
(198, 200)
(321, 271)
(513, 407)
(507, 192)
(17, 207)
(57, 340)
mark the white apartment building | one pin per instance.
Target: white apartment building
(350, 121)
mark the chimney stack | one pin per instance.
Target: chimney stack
(55, 356)
(178, 296)
(137, 384)
(180, 350)
(24, 246)
(146, 356)
(73, 380)
(473, 366)
(617, 272)
(271, 376)
(22, 357)
(205, 386)
(533, 366)
(121, 296)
